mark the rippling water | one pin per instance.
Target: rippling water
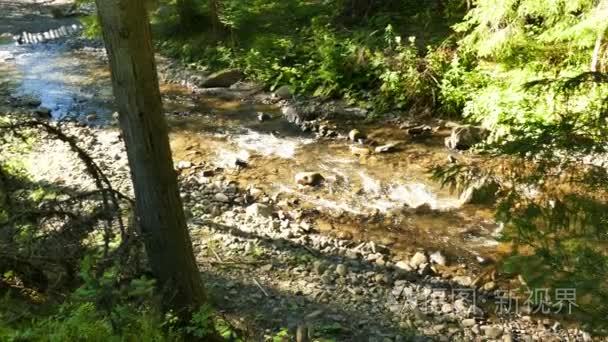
(357, 189)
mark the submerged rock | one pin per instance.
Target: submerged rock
(464, 137)
(309, 178)
(222, 79)
(42, 112)
(91, 117)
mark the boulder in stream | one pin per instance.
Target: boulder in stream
(309, 178)
(483, 191)
(391, 147)
(355, 135)
(300, 112)
(464, 137)
(222, 79)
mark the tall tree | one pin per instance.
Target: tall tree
(159, 212)
(186, 9)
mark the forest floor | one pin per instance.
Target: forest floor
(269, 261)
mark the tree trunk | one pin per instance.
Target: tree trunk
(186, 9)
(214, 13)
(602, 11)
(158, 209)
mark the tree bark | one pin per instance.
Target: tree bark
(602, 11)
(214, 13)
(158, 209)
(186, 9)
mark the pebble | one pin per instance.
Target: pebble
(341, 270)
(489, 286)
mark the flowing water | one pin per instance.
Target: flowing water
(388, 197)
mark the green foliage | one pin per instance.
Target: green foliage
(315, 49)
(554, 204)
(518, 42)
(97, 311)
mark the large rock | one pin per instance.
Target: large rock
(464, 137)
(222, 79)
(300, 112)
(283, 92)
(483, 191)
(309, 178)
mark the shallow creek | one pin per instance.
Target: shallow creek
(365, 198)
